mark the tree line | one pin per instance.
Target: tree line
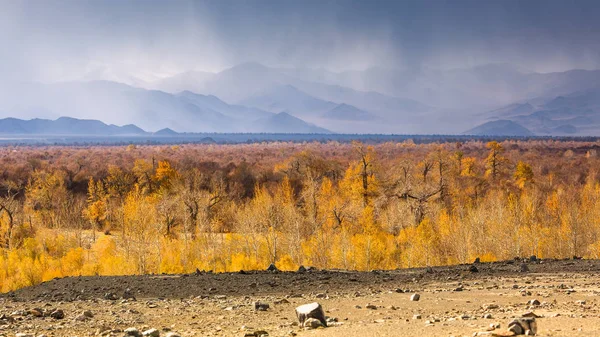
(175, 209)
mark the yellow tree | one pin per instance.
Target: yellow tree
(495, 159)
(96, 211)
(523, 174)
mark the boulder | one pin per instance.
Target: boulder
(311, 310)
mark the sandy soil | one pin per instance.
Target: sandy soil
(453, 302)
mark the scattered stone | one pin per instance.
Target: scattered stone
(429, 270)
(258, 306)
(281, 301)
(490, 306)
(111, 296)
(81, 318)
(371, 306)
(132, 332)
(531, 314)
(477, 260)
(417, 316)
(313, 323)
(534, 302)
(173, 334)
(311, 310)
(523, 326)
(415, 297)
(533, 258)
(151, 333)
(487, 316)
(128, 295)
(473, 269)
(301, 269)
(57, 314)
(524, 268)
(258, 333)
(36, 312)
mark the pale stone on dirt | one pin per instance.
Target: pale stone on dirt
(313, 323)
(415, 297)
(151, 333)
(132, 332)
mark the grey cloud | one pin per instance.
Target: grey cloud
(52, 40)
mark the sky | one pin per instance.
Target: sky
(54, 40)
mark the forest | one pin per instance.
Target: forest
(152, 209)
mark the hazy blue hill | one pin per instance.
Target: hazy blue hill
(65, 126)
(499, 128)
(216, 104)
(288, 98)
(348, 112)
(574, 113)
(165, 132)
(118, 103)
(286, 123)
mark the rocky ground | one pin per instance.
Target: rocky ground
(453, 301)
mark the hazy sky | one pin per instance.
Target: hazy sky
(60, 39)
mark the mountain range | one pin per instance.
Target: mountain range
(65, 126)
(252, 97)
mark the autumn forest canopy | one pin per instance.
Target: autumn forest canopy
(68, 211)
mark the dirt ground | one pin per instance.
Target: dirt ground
(453, 302)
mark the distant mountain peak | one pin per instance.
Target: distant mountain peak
(501, 127)
(166, 132)
(348, 112)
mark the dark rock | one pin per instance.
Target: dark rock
(473, 269)
(477, 260)
(258, 306)
(128, 294)
(57, 314)
(524, 268)
(301, 269)
(272, 268)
